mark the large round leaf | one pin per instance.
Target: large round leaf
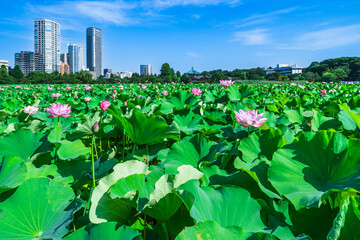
(39, 209)
(103, 207)
(315, 166)
(145, 130)
(12, 173)
(191, 151)
(22, 143)
(108, 231)
(228, 206)
(72, 150)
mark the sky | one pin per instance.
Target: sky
(204, 34)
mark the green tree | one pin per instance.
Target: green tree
(328, 77)
(3, 72)
(340, 74)
(17, 73)
(166, 72)
(185, 78)
(217, 76)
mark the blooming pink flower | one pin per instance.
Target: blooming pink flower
(87, 99)
(302, 87)
(125, 103)
(332, 90)
(249, 118)
(323, 92)
(68, 88)
(165, 93)
(114, 91)
(31, 110)
(50, 88)
(59, 110)
(196, 91)
(104, 105)
(55, 95)
(113, 95)
(18, 86)
(226, 83)
(143, 87)
(87, 88)
(139, 96)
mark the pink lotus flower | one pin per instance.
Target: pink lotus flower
(87, 88)
(50, 88)
(31, 110)
(55, 95)
(332, 90)
(59, 110)
(121, 87)
(323, 92)
(114, 91)
(165, 93)
(302, 87)
(17, 87)
(139, 96)
(249, 118)
(87, 99)
(113, 95)
(196, 91)
(125, 103)
(68, 88)
(104, 105)
(1, 89)
(143, 87)
(226, 83)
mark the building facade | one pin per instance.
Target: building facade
(5, 63)
(94, 50)
(123, 74)
(64, 57)
(64, 68)
(75, 60)
(28, 62)
(284, 69)
(145, 70)
(47, 44)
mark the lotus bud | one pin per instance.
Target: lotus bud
(95, 127)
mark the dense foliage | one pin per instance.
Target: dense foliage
(156, 161)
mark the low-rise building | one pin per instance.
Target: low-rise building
(284, 69)
(123, 74)
(64, 68)
(5, 63)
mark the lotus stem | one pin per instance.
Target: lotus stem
(92, 160)
(96, 153)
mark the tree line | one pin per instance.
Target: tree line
(330, 70)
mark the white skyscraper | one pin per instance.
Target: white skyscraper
(75, 57)
(47, 44)
(146, 70)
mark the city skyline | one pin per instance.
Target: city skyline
(205, 34)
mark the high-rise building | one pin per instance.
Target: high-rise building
(64, 68)
(28, 62)
(145, 70)
(75, 57)
(47, 44)
(94, 50)
(64, 57)
(5, 63)
(107, 70)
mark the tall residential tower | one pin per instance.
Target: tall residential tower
(75, 58)
(94, 50)
(47, 44)
(145, 70)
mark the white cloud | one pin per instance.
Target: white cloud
(196, 16)
(326, 39)
(102, 11)
(191, 54)
(172, 3)
(251, 37)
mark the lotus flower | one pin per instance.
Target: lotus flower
(68, 88)
(104, 105)
(50, 88)
(323, 92)
(143, 87)
(226, 83)
(55, 95)
(302, 87)
(165, 93)
(17, 87)
(87, 99)
(31, 110)
(87, 88)
(59, 110)
(196, 91)
(249, 118)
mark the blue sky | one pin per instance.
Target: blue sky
(204, 34)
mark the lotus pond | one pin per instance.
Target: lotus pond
(174, 161)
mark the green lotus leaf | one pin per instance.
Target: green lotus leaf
(39, 209)
(188, 124)
(353, 115)
(182, 99)
(316, 165)
(108, 231)
(261, 143)
(104, 208)
(347, 222)
(295, 116)
(12, 173)
(85, 128)
(50, 171)
(21, 143)
(347, 121)
(72, 150)
(238, 92)
(228, 206)
(55, 135)
(191, 151)
(145, 130)
(210, 230)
